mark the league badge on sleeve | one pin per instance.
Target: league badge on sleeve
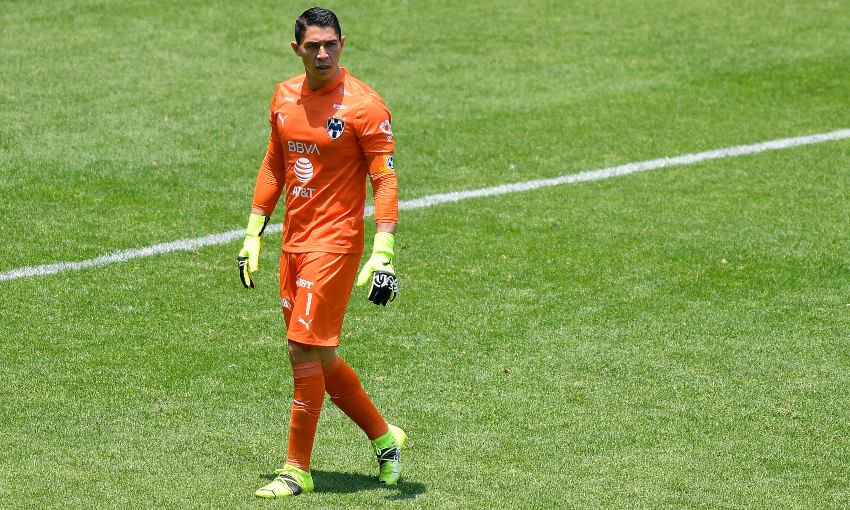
(387, 128)
(335, 127)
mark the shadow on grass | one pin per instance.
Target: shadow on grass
(334, 482)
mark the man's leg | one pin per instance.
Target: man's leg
(307, 400)
(346, 391)
(309, 381)
(308, 395)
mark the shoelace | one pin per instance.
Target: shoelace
(387, 454)
(290, 482)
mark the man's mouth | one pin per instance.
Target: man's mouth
(322, 67)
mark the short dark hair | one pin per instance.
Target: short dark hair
(316, 17)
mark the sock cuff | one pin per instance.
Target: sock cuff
(307, 369)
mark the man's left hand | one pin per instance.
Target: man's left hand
(380, 268)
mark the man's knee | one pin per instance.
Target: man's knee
(297, 350)
(302, 353)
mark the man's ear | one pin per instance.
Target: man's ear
(295, 47)
(341, 42)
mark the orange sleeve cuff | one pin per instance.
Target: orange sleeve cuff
(385, 188)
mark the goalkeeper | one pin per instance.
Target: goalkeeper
(329, 133)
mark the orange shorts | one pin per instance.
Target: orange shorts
(314, 291)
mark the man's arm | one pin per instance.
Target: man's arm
(267, 191)
(379, 266)
(270, 178)
(384, 191)
(386, 227)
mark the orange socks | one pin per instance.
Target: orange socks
(346, 391)
(306, 407)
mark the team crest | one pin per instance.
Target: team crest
(335, 127)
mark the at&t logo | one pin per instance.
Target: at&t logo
(303, 168)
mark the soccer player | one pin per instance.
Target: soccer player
(329, 132)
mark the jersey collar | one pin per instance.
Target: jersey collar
(340, 78)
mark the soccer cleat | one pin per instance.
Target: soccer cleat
(387, 449)
(290, 481)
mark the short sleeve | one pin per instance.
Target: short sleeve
(374, 128)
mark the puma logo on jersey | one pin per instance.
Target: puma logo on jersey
(302, 147)
(305, 323)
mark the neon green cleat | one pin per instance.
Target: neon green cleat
(290, 481)
(387, 449)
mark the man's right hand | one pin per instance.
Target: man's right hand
(248, 260)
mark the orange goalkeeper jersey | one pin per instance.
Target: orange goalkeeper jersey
(317, 156)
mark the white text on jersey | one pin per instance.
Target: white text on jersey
(301, 191)
(302, 148)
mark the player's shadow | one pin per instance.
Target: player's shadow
(334, 482)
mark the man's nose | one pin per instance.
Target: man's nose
(323, 54)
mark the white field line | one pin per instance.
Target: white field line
(442, 198)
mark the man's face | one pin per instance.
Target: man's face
(320, 50)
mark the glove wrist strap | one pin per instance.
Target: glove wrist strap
(256, 224)
(384, 243)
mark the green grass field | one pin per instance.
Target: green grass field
(673, 339)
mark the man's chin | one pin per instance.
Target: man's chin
(321, 76)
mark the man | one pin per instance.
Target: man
(329, 131)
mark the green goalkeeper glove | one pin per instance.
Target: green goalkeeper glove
(379, 268)
(248, 260)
